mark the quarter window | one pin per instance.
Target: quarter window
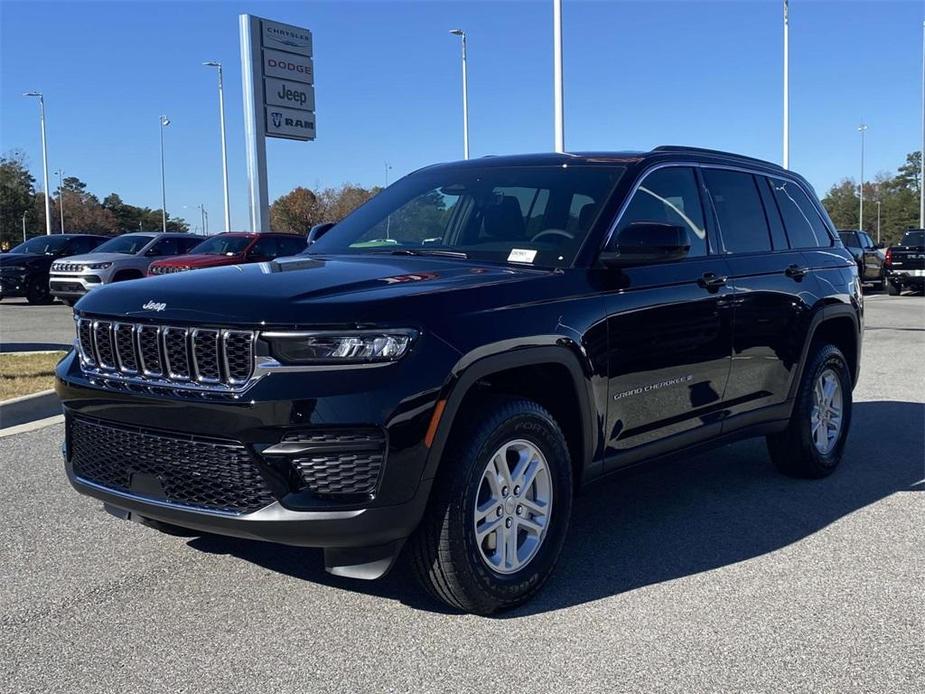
(669, 196)
(738, 210)
(805, 228)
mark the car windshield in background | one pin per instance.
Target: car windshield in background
(41, 245)
(222, 245)
(129, 245)
(914, 238)
(537, 215)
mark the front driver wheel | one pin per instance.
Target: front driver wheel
(500, 510)
(38, 292)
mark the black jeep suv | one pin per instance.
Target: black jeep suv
(445, 368)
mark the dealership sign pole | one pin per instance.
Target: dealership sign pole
(277, 76)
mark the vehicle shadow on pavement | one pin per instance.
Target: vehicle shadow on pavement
(675, 519)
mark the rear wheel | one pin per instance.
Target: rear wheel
(812, 444)
(499, 512)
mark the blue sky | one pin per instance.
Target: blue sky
(637, 74)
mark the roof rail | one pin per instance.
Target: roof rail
(703, 150)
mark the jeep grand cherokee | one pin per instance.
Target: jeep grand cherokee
(445, 368)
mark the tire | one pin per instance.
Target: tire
(893, 289)
(38, 292)
(450, 563)
(796, 451)
(881, 281)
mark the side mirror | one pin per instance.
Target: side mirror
(317, 231)
(645, 243)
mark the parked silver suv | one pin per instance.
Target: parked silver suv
(125, 257)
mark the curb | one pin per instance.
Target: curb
(29, 408)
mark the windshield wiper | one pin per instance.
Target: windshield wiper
(429, 251)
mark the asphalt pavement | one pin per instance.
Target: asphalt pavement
(711, 573)
(27, 327)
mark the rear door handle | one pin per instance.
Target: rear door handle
(795, 271)
(711, 281)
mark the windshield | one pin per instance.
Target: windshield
(129, 245)
(538, 215)
(48, 245)
(222, 245)
(914, 238)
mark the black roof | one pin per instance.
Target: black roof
(617, 157)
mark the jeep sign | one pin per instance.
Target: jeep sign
(291, 124)
(289, 94)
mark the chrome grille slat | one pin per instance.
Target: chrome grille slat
(160, 355)
(207, 357)
(176, 353)
(124, 341)
(102, 345)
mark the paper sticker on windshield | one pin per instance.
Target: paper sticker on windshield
(521, 255)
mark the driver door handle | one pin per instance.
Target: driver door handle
(796, 272)
(711, 281)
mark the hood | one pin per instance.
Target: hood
(201, 260)
(23, 259)
(306, 291)
(94, 257)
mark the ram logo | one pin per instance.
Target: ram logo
(277, 118)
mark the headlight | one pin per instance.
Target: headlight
(97, 266)
(359, 347)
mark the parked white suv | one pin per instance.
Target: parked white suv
(125, 257)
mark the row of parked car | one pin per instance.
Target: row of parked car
(898, 267)
(67, 266)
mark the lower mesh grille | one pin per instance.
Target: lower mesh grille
(339, 474)
(174, 468)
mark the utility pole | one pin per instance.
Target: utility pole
(862, 128)
(41, 98)
(557, 74)
(165, 121)
(786, 161)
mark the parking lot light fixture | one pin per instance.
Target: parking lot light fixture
(221, 113)
(164, 121)
(41, 98)
(465, 87)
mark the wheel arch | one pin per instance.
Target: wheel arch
(836, 324)
(508, 373)
(127, 274)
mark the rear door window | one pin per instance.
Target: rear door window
(739, 211)
(801, 219)
(167, 246)
(188, 244)
(291, 245)
(265, 247)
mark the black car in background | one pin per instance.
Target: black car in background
(869, 256)
(905, 263)
(24, 271)
(454, 360)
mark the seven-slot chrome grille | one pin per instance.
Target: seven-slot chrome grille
(192, 356)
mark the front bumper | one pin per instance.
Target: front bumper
(13, 284)
(72, 285)
(396, 399)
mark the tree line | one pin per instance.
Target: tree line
(898, 195)
(84, 212)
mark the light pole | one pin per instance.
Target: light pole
(862, 128)
(878, 221)
(164, 121)
(922, 162)
(60, 175)
(465, 90)
(221, 111)
(41, 98)
(786, 161)
(388, 167)
(24, 227)
(557, 74)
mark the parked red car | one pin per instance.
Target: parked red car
(231, 248)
